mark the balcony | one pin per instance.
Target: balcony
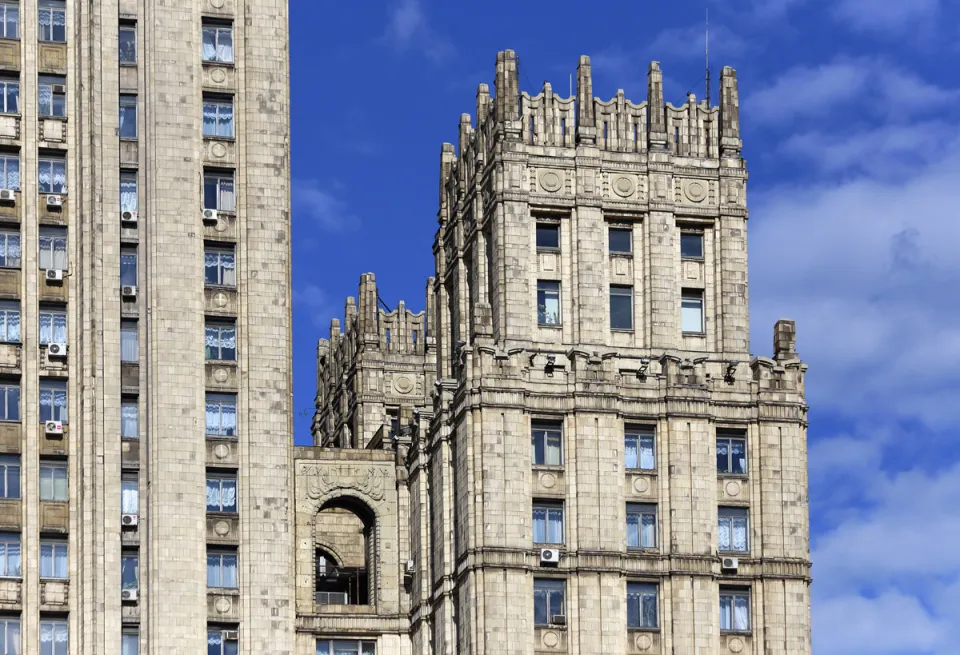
(341, 585)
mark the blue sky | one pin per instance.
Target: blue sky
(850, 112)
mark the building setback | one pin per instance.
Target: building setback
(572, 450)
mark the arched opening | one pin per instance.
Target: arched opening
(345, 547)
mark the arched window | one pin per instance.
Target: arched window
(345, 527)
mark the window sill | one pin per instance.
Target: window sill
(222, 362)
(53, 118)
(641, 471)
(129, 139)
(622, 255)
(232, 591)
(551, 326)
(45, 579)
(12, 578)
(222, 437)
(739, 554)
(737, 633)
(223, 212)
(548, 467)
(622, 330)
(701, 335)
(7, 38)
(219, 64)
(53, 42)
(223, 139)
(128, 64)
(226, 515)
(642, 629)
(553, 251)
(551, 626)
(643, 550)
(561, 547)
(732, 476)
(220, 287)
(693, 259)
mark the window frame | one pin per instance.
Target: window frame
(220, 105)
(60, 548)
(617, 290)
(51, 314)
(50, 469)
(54, 627)
(6, 159)
(126, 106)
(218, 177)
(219, 399)
(687, 235)
(547, 430)
(129, 327)
(127, 28)
(693, 295)
(129, 266)
(220, 559)
(127, 637)
(52, 163)
(5, 389)
(548, 587)
(640, 510)
(331, 646)
(127, 403)
(58, 101)
(10, 467)
(734, 593)
(642, 590)
(11, 565)
(10, 309)
(129, 481)
(219, 328)
(49, 255)
(552, 509)
(6, 640)
(219, 252)
(128, 557)
(548, 227)
(5, 8)
(639, 433)
(5, 258)
(730, 437)
(51, 7)
(225, 649)
(217, 29)
(219, 479)
(7, 81)
(126, 177)
(56, 388)
(543, 318)
(619, 229)
(730, 514)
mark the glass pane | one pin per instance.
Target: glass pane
(691, 317)
(726, 612)
(225, 121)
(129, 497)
(540, 607)
(740, 533)
(631, 456)
(647, 461)
(691, 246)
(723, 533)
(648, 530)
(128, 421)
(548, 236)
(225, 44)
(621, 308)
(209, 43)
(621, 240)
(209, 119)
(214, 642)
(554, 449)
(539, 525)
(633, 530)
(723, 456)
(738, 456)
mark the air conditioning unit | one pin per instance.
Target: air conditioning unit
(729, 563)
(53, 275)
(53, 427)
(129, 520)
(210, 215)
(8, 195)
(558, 619)
(128, 291)
(130, 595)
(549, 555)
(231, 635)
(128, 216)
(56, 350)
(411, 566)
(54, 201)
(58, 88)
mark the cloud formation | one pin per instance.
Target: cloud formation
(323, 206)
(409, 28)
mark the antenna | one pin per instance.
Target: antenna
(707, 46)
(571, 85)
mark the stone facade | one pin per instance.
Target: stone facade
(600, 465)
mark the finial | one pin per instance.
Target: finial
(730, 143)
(656, 112)
(586, 123)
(507, 87)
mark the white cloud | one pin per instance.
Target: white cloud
(408, 27)
(315, 300)
(323, 205)
(886, 16)
(689, 42)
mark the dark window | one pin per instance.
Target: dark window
(641, 605)
(549, 602)
(547, 442)
(734, 610)
(621, 240)
(691, 245)
(548, 236)
(548, 302)
(128, 44)
(621, 307)
(731, 452)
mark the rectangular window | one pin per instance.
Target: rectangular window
(128, 117)
(128, 191)
(9, 250)
(54, 637)
(548, 523)
(129, 347)
(732, 530)
(9, 402)
(621, 307)
(53, 26)
(9, 321)
(129, 495)
(53, 559)
(691, 245)
(220, 267)
(130, 571)
(53, 481)
(53, 175)
(10, 171)
(346, 647)
(548, 236)
(53, 248)
(53, 326)
(131, 643)
(734, 610)
(9, 95)
(547, 438)
(640, 449)
(10, 635)
(222, 569)
(691, 312)
(218, 43)
(10, 28)
(731, 452)
(218, 191)
(548, 601)
(52, 95)
(641, 525)
(222, 493)
(222, 642)
(642, 605)
(218, 117)
(127, 38)
(53, 400)
(221, 341)
(9, 555)
(129, 420)
(221, 415)
(128, 267)
(548, 302)
(621, 240)
(9, 476)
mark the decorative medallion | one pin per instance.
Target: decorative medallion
(551, 639)
(221, 451)
(221, 225)
(220, 375)
(548, 480)
(223, 605)
(222, 528)
(320, 480)
(641, 484)
(219, 150)
(643, 642)
(403, 384)
(695, 190)
(550, 181)
(623, 186)
(218, 75)
(735, 645)
(220, 299)
(733, 488)
(217, 3)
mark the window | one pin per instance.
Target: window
(130, 571)
(53, 637)
(129, 348)
(221, 341)
(548, 236)
(641, 605)
(10, 635)
(641, 526)
(221, 415)
(220, 267)
(53, 25)
(218, 117)
(53, 248)
(222, 493)
(621, 307)
(691, 312)
(346, 647)
(128, 117)
(9, 555)
(10, 171)
(222, 642)
(548, 523)
(222, 569)
(9, 250)
(52, 95)
(9, 476)
(621, 240)
(9, 96)
(734, 610)
(9, 321)
(130, 644)
(731, 452)
(128, 266)
(53, 326)
(53, 175)
(548, 601)
(640, 449)
(129, 419)
(691, 245)
(127, 41)
(53, 400)
(10, 29)
(53, 559)
(218, 43)
(218, 191)
(547, 438)
(53, 481)
(129, 495)
(732, 530)
(128, 191)
(9, 402)
(548, 302)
